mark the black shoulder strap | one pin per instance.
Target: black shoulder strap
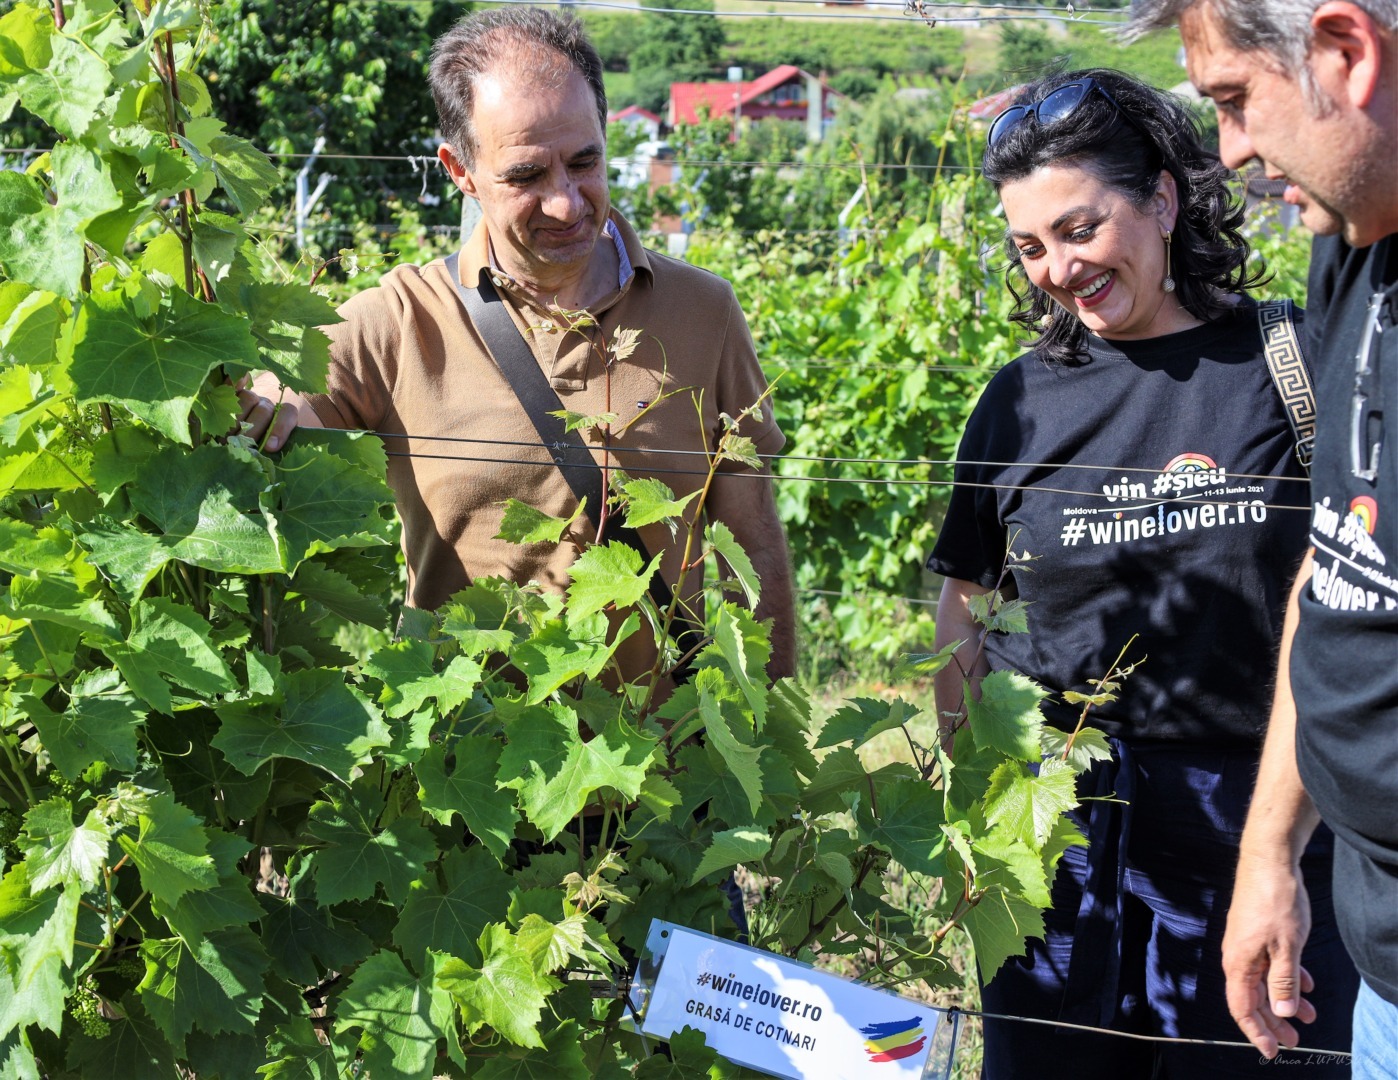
(1287, 363)
(516, 362)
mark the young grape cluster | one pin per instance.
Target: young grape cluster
(85, 1006)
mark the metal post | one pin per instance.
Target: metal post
(304, 201)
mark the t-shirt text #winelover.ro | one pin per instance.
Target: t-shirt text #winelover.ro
(1156, 488)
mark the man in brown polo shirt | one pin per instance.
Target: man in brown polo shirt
(521, 107)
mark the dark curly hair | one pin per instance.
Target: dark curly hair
(1209, 254)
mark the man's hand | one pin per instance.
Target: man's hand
(268, 409)
(1268, 923)
(260, 416)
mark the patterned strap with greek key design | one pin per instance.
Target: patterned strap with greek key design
(1287, 364)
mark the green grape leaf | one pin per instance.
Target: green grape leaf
(171, 850)
(552, 944)
(68, 91)
(325, 501)
(197, 500)
(476, 618)
(609, 576)
(58, 852)
(556, 771)
(394, 1009)
(30, 323)
(1029, 805)
(996, 613)
(134, 1047)
(839, 771)
(505, 992)
(1007, 716)
(58, 598)
(407, 671)
(451, 917)
(214, 984)
(17, 1061)
(742, 758)
(925, 665)
(659, 796)
(467, 787)
(295, 1052)
(172, 640)
(286, 319)
(861, 719)
(1065, 834)
(741, 449)
(1011, 864)
(742, 643)
(304, 939)
(690, 1058)
(560, 1058)
(244, 172)
(99, 724)
(720, 537)
(998, 926)
(44, 244)
(558, 654)
(321, 721)
(522, 524)
(339, 594)
(730, 847)
(36, 951)
(907, 823)
(357, 858)
(1080, 750)
(649, 501)
(154, 365)
(231, 903)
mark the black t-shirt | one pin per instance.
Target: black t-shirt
(1344, 662)
(1147, 483)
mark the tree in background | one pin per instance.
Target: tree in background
(1026, 50)
(674, 48)
(356, 72)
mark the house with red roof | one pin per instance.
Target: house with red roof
(786, 93)
(633, 116)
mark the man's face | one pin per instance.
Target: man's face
(1263, 113)
(540, 174)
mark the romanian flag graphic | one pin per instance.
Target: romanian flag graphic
(895, 1040)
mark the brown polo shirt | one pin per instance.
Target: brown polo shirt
(406, 363)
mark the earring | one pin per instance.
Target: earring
(1169, 283)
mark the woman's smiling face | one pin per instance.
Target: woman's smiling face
(1096, 253)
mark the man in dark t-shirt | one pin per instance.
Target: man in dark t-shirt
(1311, 90)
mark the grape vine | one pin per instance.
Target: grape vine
(234, 847)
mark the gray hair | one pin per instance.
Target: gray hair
(1280, 28)
(549, 46)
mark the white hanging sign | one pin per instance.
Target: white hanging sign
(782, 1017)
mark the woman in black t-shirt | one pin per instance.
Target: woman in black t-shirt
(1142, 454)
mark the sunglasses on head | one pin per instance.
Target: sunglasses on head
(1056, 105)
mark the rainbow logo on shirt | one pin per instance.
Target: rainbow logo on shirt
(1367, 511)
(1185, 463)
(894, 1040)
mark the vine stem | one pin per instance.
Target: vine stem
(1113, 672)
(692, 530)
(187, 204)
(60, 19)
(19, 768)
